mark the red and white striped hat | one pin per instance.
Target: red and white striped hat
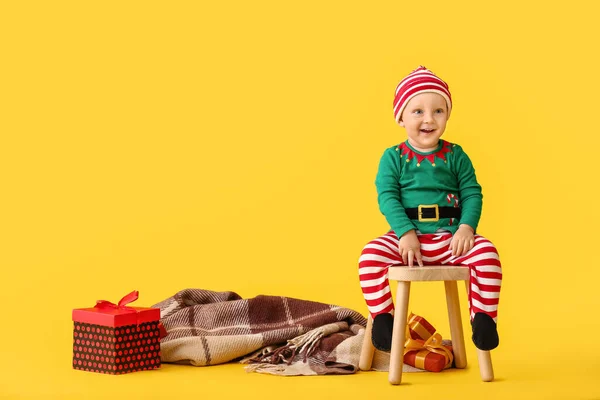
(421, 80)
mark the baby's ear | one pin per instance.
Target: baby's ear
(401, 123)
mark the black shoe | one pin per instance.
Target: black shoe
(485, 335)
(381, 335)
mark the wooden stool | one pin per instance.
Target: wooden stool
(404, 276)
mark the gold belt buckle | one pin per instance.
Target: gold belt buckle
(437, 213)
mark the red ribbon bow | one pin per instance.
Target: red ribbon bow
(130, 298)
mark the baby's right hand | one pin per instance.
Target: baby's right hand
(410, 248)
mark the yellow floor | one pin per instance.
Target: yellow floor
(516, 378)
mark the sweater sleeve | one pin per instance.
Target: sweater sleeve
(471, 197)
(388, 193)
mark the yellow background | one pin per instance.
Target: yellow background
(233, 146)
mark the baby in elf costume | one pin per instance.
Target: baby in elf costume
(429, 195)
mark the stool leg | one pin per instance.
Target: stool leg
(456, 330)
(367, 351)
(485, 365)
(484, 358)
(399, 333)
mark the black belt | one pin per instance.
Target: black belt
(425, 213)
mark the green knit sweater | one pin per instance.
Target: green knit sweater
(408, 178)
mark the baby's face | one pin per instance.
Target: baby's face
(424, 119)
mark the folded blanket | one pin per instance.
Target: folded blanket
(277, 335)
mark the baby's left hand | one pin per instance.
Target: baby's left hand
(462, 241)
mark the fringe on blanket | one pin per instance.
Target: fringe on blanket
(294, 358)
(265, 368)
(303, 346)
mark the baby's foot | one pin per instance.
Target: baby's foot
(381, 335)
(485, 335)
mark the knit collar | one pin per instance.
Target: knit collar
(407, 150)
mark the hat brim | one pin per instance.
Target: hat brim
(444, 95)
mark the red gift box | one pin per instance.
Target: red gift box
(116, 339)
(423, 348)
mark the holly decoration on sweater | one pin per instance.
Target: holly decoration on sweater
(452, 198)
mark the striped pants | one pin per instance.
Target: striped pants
(382, 253)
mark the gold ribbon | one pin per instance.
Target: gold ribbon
(431, 345)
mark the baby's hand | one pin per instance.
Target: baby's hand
(462, 241)
(410, 248)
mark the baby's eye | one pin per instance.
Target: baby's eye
(439, 111)
(418, 111)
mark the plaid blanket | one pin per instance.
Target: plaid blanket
(272, 334)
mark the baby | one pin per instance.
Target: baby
(429, 195)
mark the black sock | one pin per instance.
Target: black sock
(485, 335)
(381, 336)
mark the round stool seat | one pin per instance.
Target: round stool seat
(429, 273)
